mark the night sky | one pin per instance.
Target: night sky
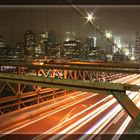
(123, 21)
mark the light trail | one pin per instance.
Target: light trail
(129, 77)
(115, 120)
(74, 127)
(122, 128)
(104, 121)
(54, 129)
(71, 129)
(112, 116)
(48, 106)
(127, 121)
(118, 118)
(66, 106)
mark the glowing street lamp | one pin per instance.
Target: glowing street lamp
(119, 46)
(132, 58)
(90, 17)
(127, 53)
(67, 39)
(108, 35)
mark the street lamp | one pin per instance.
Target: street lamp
(126, 53)
(132, 58)
(119, 46)
(90, 17)
(108, 35)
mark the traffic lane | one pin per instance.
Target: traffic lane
(80, 131)
(119, 124)
(46, 123)
(51, 105)
(112, 132)
(127, 79)
(54, 119)
(95, 129)
(76, 116)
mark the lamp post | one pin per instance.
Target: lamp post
(132, 58)
(108, 35)
(90, 17)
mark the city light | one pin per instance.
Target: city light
(67, 39)
(108, 35)
(119, 46)
(132, 58)
(90, 17)
(127, 53)
(64, 73)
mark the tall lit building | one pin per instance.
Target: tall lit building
(10, 53)
(2, 42)
(43, 37)
(19, 51)
(44, 45)
(69, 36)
(132, 49)
(84, 52)
(40, 51)
(2, 47)
(71, 49)
(137, 47)
(91, 43)
(117, 41)
(30, 44)
(47, 41)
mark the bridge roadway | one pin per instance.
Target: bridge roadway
(23, 73)
(117, 90)
(82, 114)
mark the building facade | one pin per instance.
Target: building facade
(30, 44)
(137, 45)
(2, 47)
(71, 49)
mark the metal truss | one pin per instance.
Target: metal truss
(68, 76)
(118, 90)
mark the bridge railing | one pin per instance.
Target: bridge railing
(79, 71)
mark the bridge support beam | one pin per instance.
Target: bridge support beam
(126, 103)
(135, 127)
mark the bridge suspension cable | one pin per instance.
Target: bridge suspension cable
(97, 28)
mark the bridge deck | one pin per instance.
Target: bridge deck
(116, 89)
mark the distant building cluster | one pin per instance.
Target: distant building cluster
(46, 47)
(137, 47)
(29, 49)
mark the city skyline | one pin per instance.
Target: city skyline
(69, 71)
(60, 19)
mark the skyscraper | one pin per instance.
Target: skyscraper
(19, 51)
(137, 47)
(2, 47)
(71, 49)
(2, 42)
(30, 44)
(47, 40)
(40, 51)
(91, 43)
